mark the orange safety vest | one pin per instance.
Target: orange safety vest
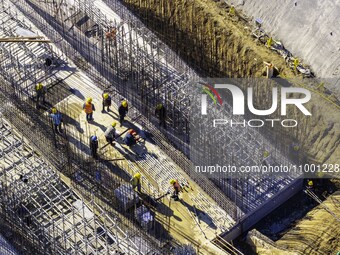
(88, 108)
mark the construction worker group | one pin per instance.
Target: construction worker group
(130, 139)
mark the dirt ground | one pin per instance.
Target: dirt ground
(208, 38)
(316, 233)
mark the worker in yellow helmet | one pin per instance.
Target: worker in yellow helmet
(136, 182)
(269, 42)
(57, 119)
(232, 10)
(123, 110)
(40, 91)
(296, 63)
(106, 101)
(110, 133)
(310, 184)
(89, 108)
(177, 188)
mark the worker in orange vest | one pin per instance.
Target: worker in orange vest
(89, 109)
(177, 189)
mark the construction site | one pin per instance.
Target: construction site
(102, 127)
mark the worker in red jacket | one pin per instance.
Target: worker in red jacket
(176, 187)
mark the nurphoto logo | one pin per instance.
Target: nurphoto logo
(238, 104)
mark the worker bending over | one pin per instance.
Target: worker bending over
(177, 189)
(136, 182)
(57, 118)
(110, 133)
(89, 108)
(106, 102)
(131, 138)
(123, 110)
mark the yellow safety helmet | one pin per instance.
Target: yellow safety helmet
(106, 96)
(124, 103)
(54, 110)
(296, 147)
(114, 124)
(89, 100)
(310, 183)
(39, 85)
(265, 154)
(159, 106)
(232, 10)
(137, 175)
(172, 181)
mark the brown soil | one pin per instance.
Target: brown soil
(203, 33)
(316, 233)
(218, 45)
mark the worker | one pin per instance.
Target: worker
(23, 178)
(135, 182)
(232, 10)
(94, 146)
(160, 112)
(269, 42)
(106, 102)
(111, 35)
(123, 110)
(296, 64)
(131, 137)
(57, 119)
(89, 109)
(40, 91)
(176, 187)
(110, 133)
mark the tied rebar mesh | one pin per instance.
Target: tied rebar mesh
(137, 66)
(48, 212)
(76, 46)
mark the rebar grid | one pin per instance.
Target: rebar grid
(126, 64)
(51, 211)
(172, 172)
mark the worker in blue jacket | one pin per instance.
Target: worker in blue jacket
(57, 119)
(131, 138)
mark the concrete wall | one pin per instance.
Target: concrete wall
(252, 218)
(304, 29)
